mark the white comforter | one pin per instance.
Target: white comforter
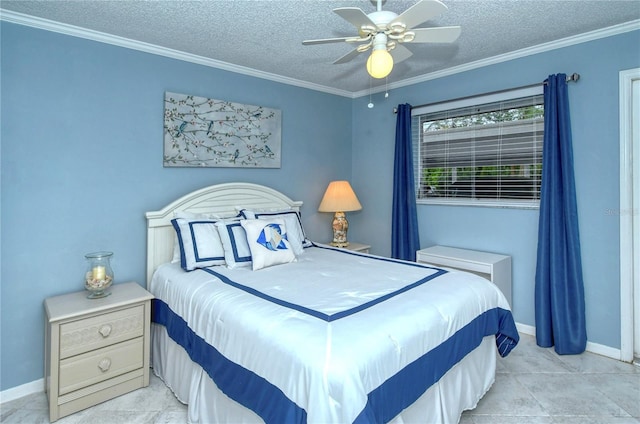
(325, 331)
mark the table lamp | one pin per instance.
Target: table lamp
(339, 198)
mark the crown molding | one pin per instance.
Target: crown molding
(74, 31)
(48, 25)
(553, 45)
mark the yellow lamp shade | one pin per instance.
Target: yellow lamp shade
(380, 63)
(339, 197)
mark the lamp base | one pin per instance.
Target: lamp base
(340, 226)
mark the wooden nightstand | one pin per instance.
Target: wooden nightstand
(358, 247)
(95, 349)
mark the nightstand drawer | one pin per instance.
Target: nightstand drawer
(99, 365)
(102, 330)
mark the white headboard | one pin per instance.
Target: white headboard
(220, 199)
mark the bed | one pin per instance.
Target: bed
(316, 334)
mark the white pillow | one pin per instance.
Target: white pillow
(292, 222)
(268, 242)
(198, 242)
(234, 242)
(190, 216)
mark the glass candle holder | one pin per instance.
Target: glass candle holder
(99, 274)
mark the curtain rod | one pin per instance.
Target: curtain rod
(570, 78)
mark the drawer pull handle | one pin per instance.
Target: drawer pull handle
(105, 330)
(104, 364)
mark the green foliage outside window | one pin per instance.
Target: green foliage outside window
(512, 178)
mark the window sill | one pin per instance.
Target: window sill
(485, 203)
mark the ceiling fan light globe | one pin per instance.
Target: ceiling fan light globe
(379, 64)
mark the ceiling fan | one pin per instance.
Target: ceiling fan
(384, 32)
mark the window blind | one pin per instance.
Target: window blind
(486, 153)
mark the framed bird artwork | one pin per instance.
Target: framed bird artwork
(202, 132)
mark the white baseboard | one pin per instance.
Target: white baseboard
(22, 390)
(596, 348)
(526, 329)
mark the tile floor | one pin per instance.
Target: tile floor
(533, 386)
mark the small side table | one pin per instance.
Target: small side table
(358, 247)
(95, 349)
(492, 266)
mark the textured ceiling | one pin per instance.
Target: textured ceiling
(266, 35)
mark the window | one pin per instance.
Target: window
(484, 151)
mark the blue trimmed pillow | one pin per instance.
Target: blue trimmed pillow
(268, 242)
(234, 240)
(199, 243)
(292, 221)
(189, 216)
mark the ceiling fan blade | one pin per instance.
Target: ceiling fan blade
(326, 40)
(400, 53)
(355, 16)
(347, 57)
(436, 35)
(420, 12)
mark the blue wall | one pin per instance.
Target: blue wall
(596, 143)
(82, 146)
(81, 158)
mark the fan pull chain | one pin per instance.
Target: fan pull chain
(370, 105)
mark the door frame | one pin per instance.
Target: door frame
(629, 213)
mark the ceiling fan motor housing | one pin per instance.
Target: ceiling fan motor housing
(386, 30)
(383, 19)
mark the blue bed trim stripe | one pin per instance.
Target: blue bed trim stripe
(379, 258)
(384, 403)
(237, 382)
(337, 315)
(261, 295)
(405, 387)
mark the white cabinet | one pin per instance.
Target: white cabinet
(96, 349)
(492, 266)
